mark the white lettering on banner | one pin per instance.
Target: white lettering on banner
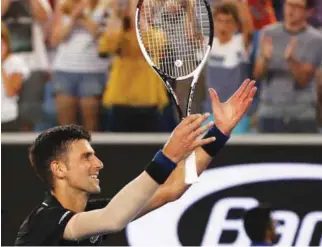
(160, 227)
(307, 229)
(218, 221)
(288, 227)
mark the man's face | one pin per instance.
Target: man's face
(295, 12)
(83, 167)
(225, 26)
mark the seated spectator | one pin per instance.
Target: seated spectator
(228, 61)
(287, 60)
(135, 96)
(13, 72)
(25, 20)
(79, 74)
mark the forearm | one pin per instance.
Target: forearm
(261, 68)
(11, 83)
(301, 75)
(61, 31)
(117, 214)
(89, 25)
(4, 6)
(175, 186)
(39, 10)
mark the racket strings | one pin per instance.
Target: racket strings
(175, 35)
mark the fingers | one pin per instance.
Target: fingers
(191, 123)
(241, 89)
(199, 131)
(247, 91)
(202, 142)
(215, 102)
(246, 103)
(198, 122)
(293, 41)
(190, 119)
(252, 92)
(184, 138)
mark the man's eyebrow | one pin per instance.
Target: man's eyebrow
(87, 154)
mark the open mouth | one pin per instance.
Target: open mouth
(95, 177)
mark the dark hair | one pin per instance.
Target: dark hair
(52, 145)
(227, 8)
(310, 4)
(256, 223)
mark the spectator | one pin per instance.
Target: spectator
(315, 18)
(49, 108)
(262, 13)
(259, 226)
(25, 19)
(319, 86)
(13, 72)
(228, 61)
(287, 59)
(135, 95)
(79, 74)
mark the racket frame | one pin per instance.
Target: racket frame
(168, 80)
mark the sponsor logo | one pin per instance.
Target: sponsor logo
(64, 216)
(94, 239)
(210, 212)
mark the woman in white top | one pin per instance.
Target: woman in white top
(13, 72)
(78, 71)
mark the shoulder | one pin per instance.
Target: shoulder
(44, 226)
(314, 33)
(273, 28)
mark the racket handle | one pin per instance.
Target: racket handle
(191, 175)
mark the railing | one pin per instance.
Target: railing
(157, 138)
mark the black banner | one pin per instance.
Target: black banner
(282, 175)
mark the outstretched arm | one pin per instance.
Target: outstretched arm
(227, 115)
(132, 198)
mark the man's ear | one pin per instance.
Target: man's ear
(58, 169)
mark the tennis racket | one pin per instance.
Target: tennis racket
(175, 37)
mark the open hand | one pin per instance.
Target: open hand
(266, 47)
(229, 113)
(290, 50)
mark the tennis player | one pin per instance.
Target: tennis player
(65, 161)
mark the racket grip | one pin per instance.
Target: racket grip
(191, 175)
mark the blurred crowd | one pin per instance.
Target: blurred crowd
(78, 61)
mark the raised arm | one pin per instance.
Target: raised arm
(4, 6)
(227, 115)
(63, 24)
(125, 206)
(40, 10)
(263, 57)
(302, 71)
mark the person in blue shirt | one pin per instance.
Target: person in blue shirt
(259, 226)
